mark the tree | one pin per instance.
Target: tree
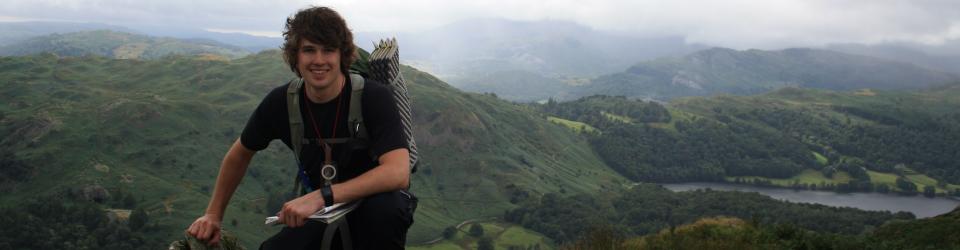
(485, 243)
(129, 201)
(138, 218)
(882, 188)
(929, 191)
(449, 232)
(476, 230)
(907, 186)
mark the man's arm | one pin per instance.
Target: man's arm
(393, 173)
(232, 169)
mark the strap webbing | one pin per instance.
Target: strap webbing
(296, 127)
(358, 131)
(355, 117)
(328, 232)
(293, 114)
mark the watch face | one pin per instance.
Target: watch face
(328, 172)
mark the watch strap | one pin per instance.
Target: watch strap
(327, 192)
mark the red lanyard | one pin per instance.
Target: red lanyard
(336, 119)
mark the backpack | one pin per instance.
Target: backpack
(383, 66)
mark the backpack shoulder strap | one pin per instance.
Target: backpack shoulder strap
(293, 112)
(357, 128)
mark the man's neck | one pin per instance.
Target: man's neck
(324, 95)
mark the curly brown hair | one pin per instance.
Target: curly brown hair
(320, 25)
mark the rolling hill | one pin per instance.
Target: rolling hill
(120, 45)
(13, 32)
(863, 140)
(726, 232)
(719, 70)
(157, 129)
(133, 134)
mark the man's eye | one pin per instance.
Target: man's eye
(329, 50)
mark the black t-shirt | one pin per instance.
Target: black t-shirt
(270, 121)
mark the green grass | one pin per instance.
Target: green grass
(810, 176)
(616, 118)
(443, 245)
(882, 178)
(518, 236)
(923, 180)
(822, 160)
(807, 176)
(576, 126)
(504, 235)
(920, 180)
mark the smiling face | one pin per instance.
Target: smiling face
(310, 39)
(318, 65)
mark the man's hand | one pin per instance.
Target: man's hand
(207, 229)
(296, 211)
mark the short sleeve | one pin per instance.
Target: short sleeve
(261, 127)
(382, 120)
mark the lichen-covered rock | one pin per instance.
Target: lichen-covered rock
(227, 242)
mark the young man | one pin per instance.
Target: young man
(319, 48)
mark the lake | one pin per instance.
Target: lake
(919, 205)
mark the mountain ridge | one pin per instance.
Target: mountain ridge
(120, 45)
(721, 70)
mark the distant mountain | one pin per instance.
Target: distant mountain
(493, 51)
(157, 129)
(947, 62)
(119, 45)
(13, 32)
(551, 48)
(249, 42)
(515, 85)
(721, 70)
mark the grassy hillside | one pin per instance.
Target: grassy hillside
(719, 70)
(807, 138)
(483, 154)
(156, 130)
(13, 32)
(890, 131)
(121, 45)
(502, 235)
(940, 232)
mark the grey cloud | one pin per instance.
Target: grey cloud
(734, 23)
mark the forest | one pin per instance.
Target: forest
(777, 135)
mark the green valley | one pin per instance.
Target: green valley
(143, 139)
(160, 127)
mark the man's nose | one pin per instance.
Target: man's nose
(318, 59)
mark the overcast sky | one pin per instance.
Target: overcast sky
(737, 24)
